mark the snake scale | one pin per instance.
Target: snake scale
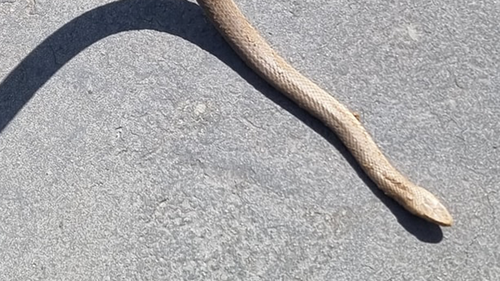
(259, 56)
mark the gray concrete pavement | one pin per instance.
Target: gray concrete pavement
(135, 145)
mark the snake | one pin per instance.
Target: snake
(268, 64)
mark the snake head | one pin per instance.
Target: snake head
(424, 204)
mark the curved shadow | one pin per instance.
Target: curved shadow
(183, 19)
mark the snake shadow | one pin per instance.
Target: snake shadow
(183, 19)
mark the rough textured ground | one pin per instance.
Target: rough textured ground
(135, 145)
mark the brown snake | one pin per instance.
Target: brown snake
(258, 55)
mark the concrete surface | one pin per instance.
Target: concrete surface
(135, 145)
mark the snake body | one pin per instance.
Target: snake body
(259, 56)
